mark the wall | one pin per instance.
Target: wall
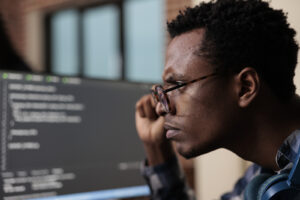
(292, 8)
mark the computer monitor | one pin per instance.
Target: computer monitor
(69, 138)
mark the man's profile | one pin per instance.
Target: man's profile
(228, 83)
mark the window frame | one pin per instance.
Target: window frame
(81, 9)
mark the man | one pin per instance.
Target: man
(228, 83)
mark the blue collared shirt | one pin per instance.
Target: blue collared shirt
(166, 181)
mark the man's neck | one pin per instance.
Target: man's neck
(266, 131)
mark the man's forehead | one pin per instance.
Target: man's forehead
(190, 41)
(182, 54)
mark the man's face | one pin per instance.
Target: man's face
(202, 112)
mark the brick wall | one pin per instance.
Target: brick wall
(12, 15)
(173, 6)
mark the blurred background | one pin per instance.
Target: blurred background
(118, 40)
(111, 39)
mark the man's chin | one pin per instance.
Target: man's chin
(190, 153)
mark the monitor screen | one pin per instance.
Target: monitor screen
(69, 138)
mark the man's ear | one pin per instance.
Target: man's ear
(248, 86)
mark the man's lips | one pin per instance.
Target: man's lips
(171, 130)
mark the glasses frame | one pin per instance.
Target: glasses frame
(159, 94)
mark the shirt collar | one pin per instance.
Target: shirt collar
(287, 153)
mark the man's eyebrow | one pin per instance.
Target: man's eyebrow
(201, 52)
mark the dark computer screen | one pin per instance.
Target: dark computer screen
(69, 138)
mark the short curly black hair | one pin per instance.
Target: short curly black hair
(245, 33)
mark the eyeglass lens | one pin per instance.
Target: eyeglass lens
(162, 97)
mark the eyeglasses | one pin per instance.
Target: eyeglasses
(160, 94)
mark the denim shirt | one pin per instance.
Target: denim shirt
(166, 181)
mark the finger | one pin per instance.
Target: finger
(153, 102)
(159, 109)
(149, 109)
(139, 108)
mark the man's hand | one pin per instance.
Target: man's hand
(150, 127)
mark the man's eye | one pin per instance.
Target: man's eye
(173, 84)
(179, 83)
